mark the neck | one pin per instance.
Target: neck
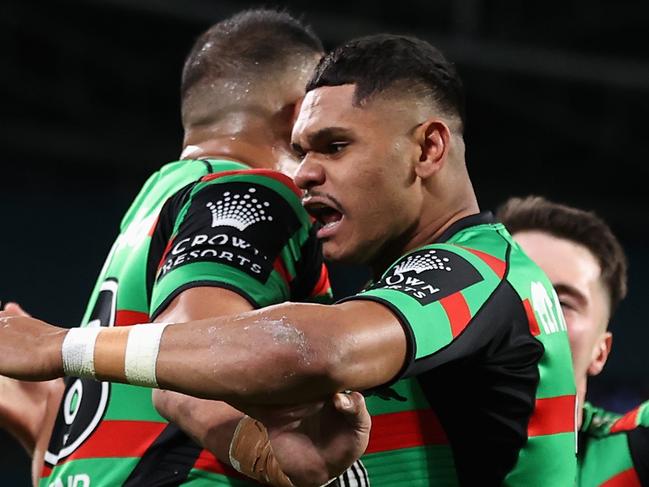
(581, 398)
(424, 235)
(243, 139)
(254, 155)
(448, 208)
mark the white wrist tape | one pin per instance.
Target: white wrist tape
(142, 350)
(78, 352)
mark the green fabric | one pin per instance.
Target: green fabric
(127, 265)
(603, 454)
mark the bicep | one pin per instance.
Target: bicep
(371, 344)
(203, 302)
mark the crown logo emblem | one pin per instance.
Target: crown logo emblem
(239, 210)
(419, 263)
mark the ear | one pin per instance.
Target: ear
(434, 138)
(600, 353)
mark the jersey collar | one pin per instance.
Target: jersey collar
(482, 218)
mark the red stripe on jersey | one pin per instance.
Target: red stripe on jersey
(406, 429)
(626, 422)
(46, 471)
(208, 462)
(279, 266)
(277, 176)
(153, 227)
(553, 415)
(125, 317)
(531, 318)
(457, 311)
(627, 478)
(323, 283)
(106, 440)
(497, 265)
(166, 252)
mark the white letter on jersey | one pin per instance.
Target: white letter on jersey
(547, 311)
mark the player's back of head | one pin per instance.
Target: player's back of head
(535, 213)
(247, 61)
(398, 65)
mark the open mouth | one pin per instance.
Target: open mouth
(325, 215)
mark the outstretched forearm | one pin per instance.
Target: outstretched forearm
(285, 354)
(279, 355)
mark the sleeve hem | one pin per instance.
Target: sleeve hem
(411, 351)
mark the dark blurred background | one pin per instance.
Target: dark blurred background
(558, 102)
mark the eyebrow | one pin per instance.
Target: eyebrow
(571, 291)
(324, 134)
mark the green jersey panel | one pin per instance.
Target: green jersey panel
(487, 394)
(110, 434)
(614, 448)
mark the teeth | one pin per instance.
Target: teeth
(331, 224)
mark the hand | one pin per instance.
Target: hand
(24, 406)
(318, 442)
(30, 349)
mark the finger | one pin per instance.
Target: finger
(15, 309)
(352, 405)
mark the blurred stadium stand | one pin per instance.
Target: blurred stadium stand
(558, 103)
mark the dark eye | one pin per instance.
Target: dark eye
(566, 305)
(298, 151)
(335, 147)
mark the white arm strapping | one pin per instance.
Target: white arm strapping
(78, 352)
(142, 350)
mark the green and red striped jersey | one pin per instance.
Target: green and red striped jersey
(614, 448)
(487, 394)
(194, 223)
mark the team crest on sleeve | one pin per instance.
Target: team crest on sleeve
(429, 275)
(242, 225)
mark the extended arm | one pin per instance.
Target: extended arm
(284, 354)
(314, 350)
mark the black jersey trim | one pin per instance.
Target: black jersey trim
(411, 343)
(167, 462)
(483, 218)
(638, 439)
(208, 165)
(204, 283)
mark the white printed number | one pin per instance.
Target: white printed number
(79, 480)
(547, 310)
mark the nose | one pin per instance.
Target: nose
(309, 173)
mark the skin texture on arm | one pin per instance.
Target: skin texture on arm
(209, 423)
(311, 442)
(314, 350)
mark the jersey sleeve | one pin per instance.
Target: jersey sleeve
(636, 425)
(436, 292)
(241, 230)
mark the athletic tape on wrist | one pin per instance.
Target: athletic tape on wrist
(78, 352)
(142, 350)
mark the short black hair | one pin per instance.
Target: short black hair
(379, 62)
(576, 225)
(249, 44)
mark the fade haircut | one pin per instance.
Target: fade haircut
(381, 62)
(253, 45)
(579, 226)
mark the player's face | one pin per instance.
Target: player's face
(358, 172)
(576, 276)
